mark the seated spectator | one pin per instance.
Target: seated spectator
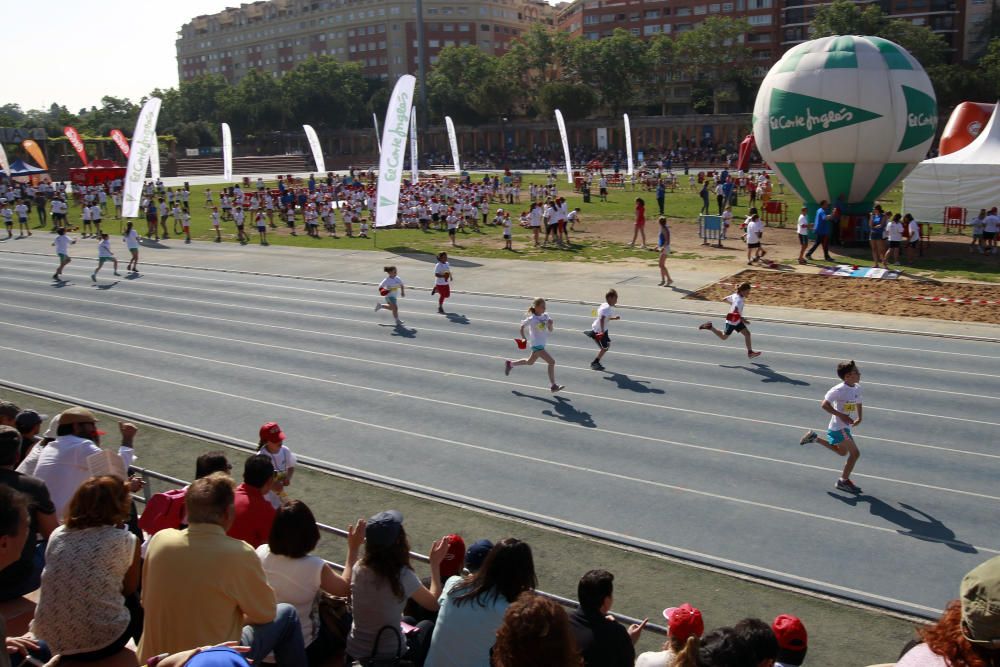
(30, 461)
(380, 586)
(14, 526)
(24, 575)
(200, 586)
(210, 462)
(601, 641)
(297, 577)
(8, 413)
(207, 656)
(722, 647)
(792, 641)
(28, 423)
(451, 566)
(759, 638)
(684, 629)
(968, 632)
(91, 563)
(472, 608)
(476, 555)
(535, 633)
(254, 514)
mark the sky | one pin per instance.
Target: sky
(86, 50)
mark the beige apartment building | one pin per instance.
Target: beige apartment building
(276, 35)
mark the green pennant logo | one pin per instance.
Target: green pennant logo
(385, 201)
(921, 118)
(794, 117)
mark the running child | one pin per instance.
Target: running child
(599, 329)
(62, 244)
(442, 276)
(735, 320)
(505, 221)
(272, 445)
(131, 240)
(185, 218)
(843, 402)
(392, 289)
(663, 245)
(104, 254)
(538, 326)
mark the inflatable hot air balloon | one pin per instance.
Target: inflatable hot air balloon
(845, 116)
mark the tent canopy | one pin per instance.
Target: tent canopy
(969, 178)
(22, 168)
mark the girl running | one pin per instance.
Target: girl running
(538, 326)
(131, 240)
(104, 254)
(391, 288)
(442, 276)
(735, 320)
(663, 245)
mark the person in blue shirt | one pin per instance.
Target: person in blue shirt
(821, 227)
(661, 193)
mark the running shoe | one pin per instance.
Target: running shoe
(55, 276)
(809, 438)
(557, 387)
(378, 307)
(706, 325)
(507, 366)
(753, 355)
(848, 486)
(441, 311)
(596, 365)
(93, 277)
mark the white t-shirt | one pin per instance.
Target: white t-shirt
(914, 227)
(132, 240)
(803, 225)
(737, 302)
(843, 398)
(538, 328)
(978, 225)
(755, 228)
(604, 311)
(283, 459)
(393, 284)
(656, 659)
(894, 231)
(62, 244)
(506, 226)
(441, 267)
(104, 248)
(992, 223)
(295, 581)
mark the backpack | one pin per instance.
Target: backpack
(164, 510)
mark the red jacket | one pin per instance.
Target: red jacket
(254, 516)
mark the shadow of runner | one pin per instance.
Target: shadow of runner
(456, 318)
(419, 255)
(561, 409)
(923, 527)
(769, 375)
(401, 330)
(639, 386)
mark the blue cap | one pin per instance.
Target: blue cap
(476, 554)
(217, 656)
(383, 529)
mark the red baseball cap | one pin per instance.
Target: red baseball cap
(790, 632)
(454, 559)
(270, 432)
(684, 621)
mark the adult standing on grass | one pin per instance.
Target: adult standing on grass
(876, 235)
(663, 246)
(704, 197)
(661, 193)
(821, 227)
(720, 196)
(991, 228)
(640, 222)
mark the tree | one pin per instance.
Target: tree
(201, 98)
(574, 100)
(990, 68)
(615, 66)
(11, 115)
(324, 92)
(843, 17)
(537, 57)
(660, 66)
(466, 84)
(713, 54)
(254, 104)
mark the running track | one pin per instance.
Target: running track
(683, 446)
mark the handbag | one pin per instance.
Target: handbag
(388, 661)
(335, 617)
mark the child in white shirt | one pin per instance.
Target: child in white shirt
(536, 328)
(104, 254)
(391, 288)
(735, 322)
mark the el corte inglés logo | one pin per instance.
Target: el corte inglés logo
(921, 118)
(793, 117)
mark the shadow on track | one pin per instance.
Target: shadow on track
(638, 386)
(413, 253)
(561, 409)
(923, 527)
(767, 374)
(456, 318)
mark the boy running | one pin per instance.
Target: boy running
(62, 244)
(131, 240)
(843, 402)
(104, 254)
(735, 320)
(538, 326)
(391, 288)
(442, 276)
(599, 329)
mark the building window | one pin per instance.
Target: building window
(651, 30)
(652, 14)
(763, 19)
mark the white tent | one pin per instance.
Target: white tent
(969, 178)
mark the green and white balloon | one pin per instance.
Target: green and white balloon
(845, 115)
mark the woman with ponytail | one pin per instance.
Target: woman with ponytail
(685, 627)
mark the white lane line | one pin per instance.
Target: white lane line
(533, 459)
(619, 336)
(683, 327)
(451, 332)
(393, 364)
(502, 413)
(505, 509)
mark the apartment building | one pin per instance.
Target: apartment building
(276, 35)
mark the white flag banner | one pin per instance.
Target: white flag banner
(3, 161)
(565, 143)
(143, 143)
(414, 169)
(154, 160)
(390, 166)
(378, 141)
(317, 150)
(453, 140)
(628, 145)
(227, 153)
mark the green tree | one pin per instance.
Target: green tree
(661, 64)
(713, 54)
(254, 104)
(202, 98)
(11, 115)
(537, 57)
(843, 17)
(989, 66)
(114, 112)
(324, 92)
(467, 85)
(615, 66)
(574, 100)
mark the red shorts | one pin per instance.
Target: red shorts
(443, 290)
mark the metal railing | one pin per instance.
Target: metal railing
(147, 493)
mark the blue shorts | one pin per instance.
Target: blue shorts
(837, 437)
(391, 299)
(537, 348)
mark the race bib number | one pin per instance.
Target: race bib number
(850, 407)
